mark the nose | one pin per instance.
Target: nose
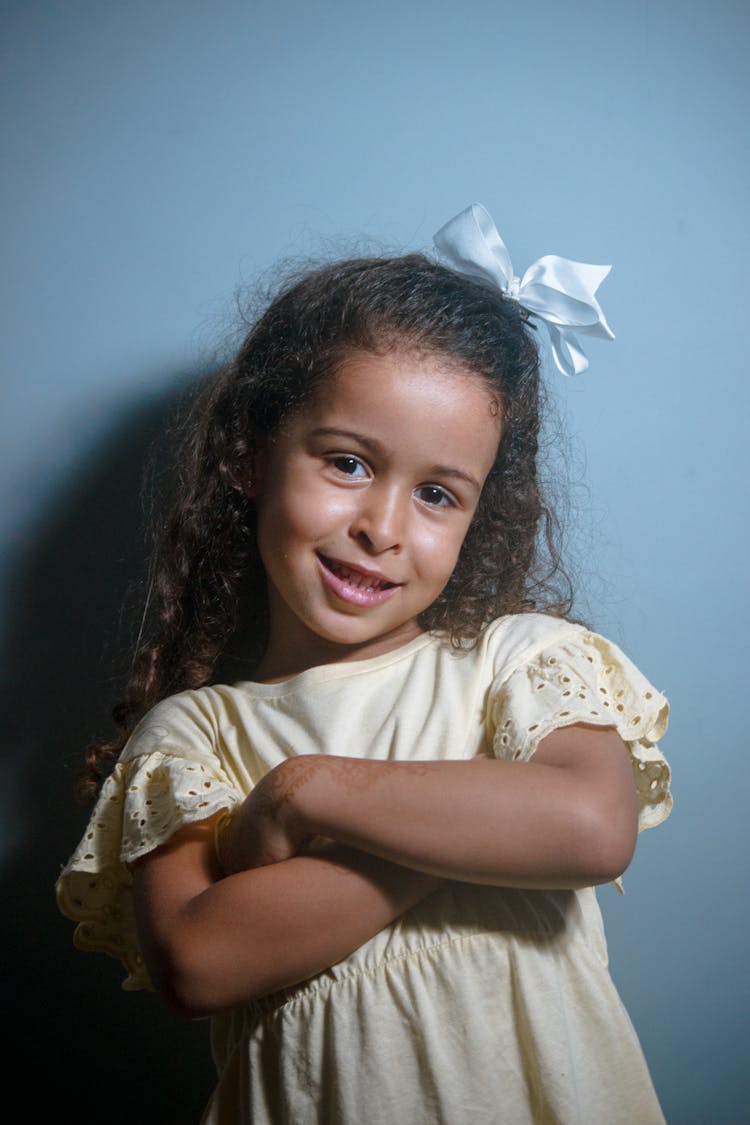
(379, 522)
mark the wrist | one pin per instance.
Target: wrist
(290, 791)
(326, 795)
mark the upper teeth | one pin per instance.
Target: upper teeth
(356, 578)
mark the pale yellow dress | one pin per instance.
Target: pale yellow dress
(480, 1005)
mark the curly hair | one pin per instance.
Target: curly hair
(207, 578)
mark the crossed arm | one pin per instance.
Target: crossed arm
(277, 914)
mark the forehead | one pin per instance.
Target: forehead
(367, 381)
(415, 398)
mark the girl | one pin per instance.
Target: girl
(371, 858)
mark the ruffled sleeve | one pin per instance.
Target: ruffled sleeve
(584, 678)
(167, 778)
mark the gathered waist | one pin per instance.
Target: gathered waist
(454, 915)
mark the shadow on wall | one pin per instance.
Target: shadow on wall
(109, 1055)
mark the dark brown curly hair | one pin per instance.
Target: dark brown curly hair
(207, 580)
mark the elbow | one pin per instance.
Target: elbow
(182, 1006)
(606, 844)
(180, 985)
(194, 984)
(185, 996)
(609, 862)
(195, 996)
(198, 977)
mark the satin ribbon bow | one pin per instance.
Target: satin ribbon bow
(557, 290)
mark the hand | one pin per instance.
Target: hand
(265, 830)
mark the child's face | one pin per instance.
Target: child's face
(363, 503)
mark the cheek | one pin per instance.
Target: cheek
(301, 510)
(443, 548)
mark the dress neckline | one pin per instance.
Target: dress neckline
(337, 670)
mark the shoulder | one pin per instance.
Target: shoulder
(516, 640)
(191, 719)
(552, 648)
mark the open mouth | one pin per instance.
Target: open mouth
(353, 585)
(356, 578)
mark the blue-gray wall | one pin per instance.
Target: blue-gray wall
(157, 156)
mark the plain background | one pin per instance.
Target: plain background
(159, 155)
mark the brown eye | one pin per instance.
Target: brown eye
(349, 466)
(434, 496)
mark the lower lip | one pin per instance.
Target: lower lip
(354, 595)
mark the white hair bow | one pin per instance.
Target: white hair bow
(558, 290)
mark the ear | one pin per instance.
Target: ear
(248, 476)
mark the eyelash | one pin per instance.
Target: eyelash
(444, 498)
(348, 458)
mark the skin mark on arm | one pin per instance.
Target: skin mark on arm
(353, 775)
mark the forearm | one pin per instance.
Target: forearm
(214, 944)
(506, 823)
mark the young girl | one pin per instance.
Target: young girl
(371, 858)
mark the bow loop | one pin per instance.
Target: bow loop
(557, 290)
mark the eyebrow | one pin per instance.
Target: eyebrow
(375, 447)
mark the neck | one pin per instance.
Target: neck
(286, 657)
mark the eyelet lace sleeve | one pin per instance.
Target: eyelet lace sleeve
(145, 800)
(583, 678)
